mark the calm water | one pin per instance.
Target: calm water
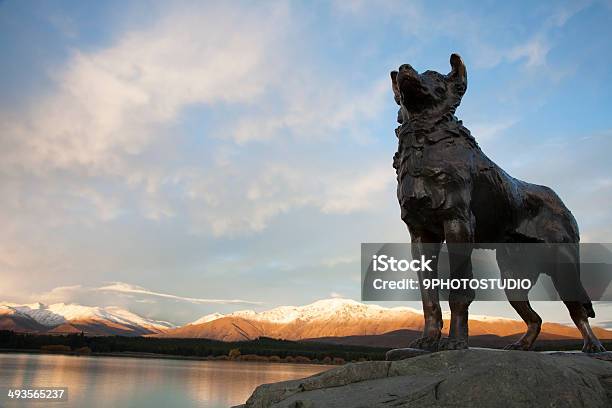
(139, 382)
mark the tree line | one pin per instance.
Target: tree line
(274, 349)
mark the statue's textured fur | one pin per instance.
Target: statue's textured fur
(449, 190)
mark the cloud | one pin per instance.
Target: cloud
(355, 192)
(121, 287)
(314, 108)
(79, 293)
(106, 206)
(534, 51)
(489, 39)
(487, 131)
(98, 145)
(577, 169)
(66, 294)
(108, 103)
(341, 260)
(244, 200)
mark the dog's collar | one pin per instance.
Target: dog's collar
(416, 133)
(418, 126)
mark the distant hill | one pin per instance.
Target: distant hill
(401, 338)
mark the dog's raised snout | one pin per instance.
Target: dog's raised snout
(407, 69)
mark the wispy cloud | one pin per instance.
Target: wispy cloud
(315, 108)
(121, 287)
(487, 131)
(341, 260)
(237, 201)
(534, 52)
(79, 293)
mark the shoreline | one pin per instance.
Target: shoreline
(144, 355)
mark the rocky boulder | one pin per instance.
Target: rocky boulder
(462, 378)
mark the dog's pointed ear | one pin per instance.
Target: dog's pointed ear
(458, 72)
(396, 92)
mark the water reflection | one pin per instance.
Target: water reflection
(132, 382)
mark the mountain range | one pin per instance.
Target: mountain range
(63, 318)
(338, 318)
(333, 320)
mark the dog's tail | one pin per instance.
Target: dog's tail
(588, 306)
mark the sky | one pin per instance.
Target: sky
(183, 158)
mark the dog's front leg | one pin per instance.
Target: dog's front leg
(428, 244)
(459, 236)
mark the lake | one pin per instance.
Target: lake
(141, 382)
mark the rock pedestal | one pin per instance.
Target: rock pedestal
(462, 378)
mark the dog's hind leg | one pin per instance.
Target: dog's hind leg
(510, 267)
(566, 278)
(581, 320)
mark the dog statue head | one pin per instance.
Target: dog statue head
(429, 95)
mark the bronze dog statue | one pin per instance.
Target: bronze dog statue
(449, 190)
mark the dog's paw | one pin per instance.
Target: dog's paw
(449, 343)
(425, 343)
(593, 346)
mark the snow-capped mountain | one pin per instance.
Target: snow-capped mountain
(207, 318)
(330, 318)
(317, 311)
(328, 309)
(12, 319)
(341, 318)
(65, 318)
